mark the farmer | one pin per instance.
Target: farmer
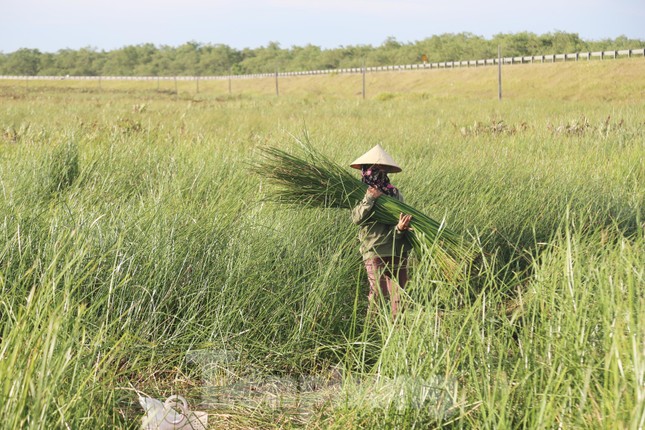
(384, 247)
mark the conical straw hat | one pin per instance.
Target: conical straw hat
(377, 155)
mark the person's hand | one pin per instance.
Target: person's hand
(374, 192)
(404, 222)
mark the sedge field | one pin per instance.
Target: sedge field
(139, 254)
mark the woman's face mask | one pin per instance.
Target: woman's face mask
(375, 171)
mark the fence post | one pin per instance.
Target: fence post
(499, 72)
(277, 91)
(363, 72)
(197, 83)
(176, 92)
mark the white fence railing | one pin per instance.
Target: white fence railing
(421, 66)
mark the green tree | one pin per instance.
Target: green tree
(48, 66)
(266, 59)
(519, 44)
(308, 57)
(567, 42)
(123, 61)
(187, 59)
(146, 55)
(24, 62)
(353, 56)
(218, 59)
(3, 62)
(164, 62)
(193, 58)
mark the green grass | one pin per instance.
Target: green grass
(132, 236)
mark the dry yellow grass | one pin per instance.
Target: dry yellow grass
(576, 81)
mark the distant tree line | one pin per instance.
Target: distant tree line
(197, 59)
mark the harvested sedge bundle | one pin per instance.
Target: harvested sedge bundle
(313, 180)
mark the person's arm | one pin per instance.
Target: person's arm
(362, 211)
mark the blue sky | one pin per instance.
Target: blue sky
(50, 25)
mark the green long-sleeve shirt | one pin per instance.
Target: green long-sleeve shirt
(378, 239)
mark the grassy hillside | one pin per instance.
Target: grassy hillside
(138, 254)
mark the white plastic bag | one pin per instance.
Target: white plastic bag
(165, 416)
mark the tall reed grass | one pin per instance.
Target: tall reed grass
(162, 245)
